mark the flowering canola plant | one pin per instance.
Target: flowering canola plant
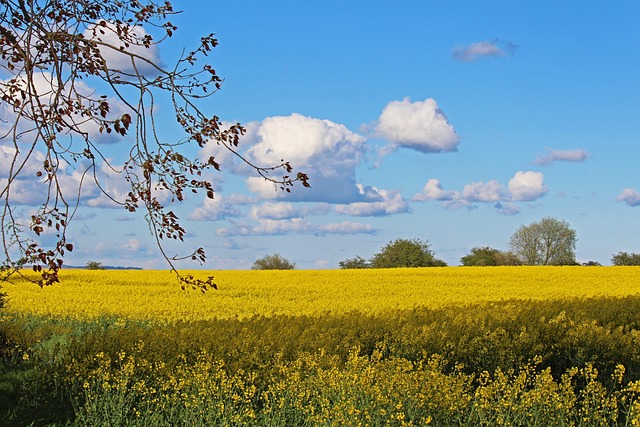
(154, 295)
(515, 346)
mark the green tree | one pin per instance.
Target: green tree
(481, 256)
(273, 262)
(94, 265)
(354, 263)
(406, 253)
(626, 259)
(507, 258)
(549, 241)
(487, 256)
(79, 73)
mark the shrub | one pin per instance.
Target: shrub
(273, 262)
(357, 262)
(94, 265)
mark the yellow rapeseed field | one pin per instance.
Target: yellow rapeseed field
(155, 295)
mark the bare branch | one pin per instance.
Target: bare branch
(79, 72)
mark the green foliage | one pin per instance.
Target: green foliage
(354, 263)
(94, 265)
(405, 253)
(487, 256)
(548, 242)
(480, 257)
(626, 259)
(507, 258)
(273, 262)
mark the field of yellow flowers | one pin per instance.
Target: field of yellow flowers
(153, 295)
(455, 346)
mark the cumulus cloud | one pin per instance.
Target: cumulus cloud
(347, 227)
(275, 210)
(433, 191)
(113, 53)
(26, 188)
(577, 155)
(29, 189)
(271, 227)
(420, 126)
(328, 152)
(113, 183)
(485, 49)
(629, 196)
(214, 210)
(524, 186)
(491, 191)
(46, 88)
(527, 186)
(380, 203)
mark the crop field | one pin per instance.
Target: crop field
(153, 295)
(456, 346)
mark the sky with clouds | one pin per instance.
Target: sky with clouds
(453, 122)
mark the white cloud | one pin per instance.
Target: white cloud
(270, 227)
(8, 156)
(241, 199)
(274, 210)
(629, 196)
(421, 126)
(29, 189)
(117, 60)
(46, 89)
(133, 245)
(300, 140)
(491, 191)
(382, 202)
(485, 49)
(527, 186)
(524, 186)
(328, 152)
(113, 183)
(347, 227)
(577, 155)
(227, 160)
(214, 210)
(433, 191)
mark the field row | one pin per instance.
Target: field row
(242, 294)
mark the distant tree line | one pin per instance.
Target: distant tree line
(550, 241)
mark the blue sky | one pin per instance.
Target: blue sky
(453, 122)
